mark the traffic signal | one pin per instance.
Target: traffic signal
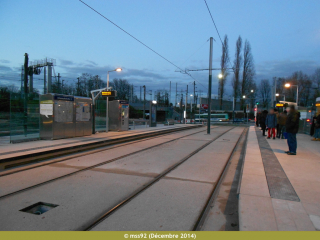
(257, 103)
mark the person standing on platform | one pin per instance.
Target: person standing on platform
(316, 128)
(276, 112)
(282, 123)
(262, 121)
(258, 119)
(292, 127)
(271, 123)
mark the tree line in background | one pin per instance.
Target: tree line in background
(308, 86)
(244, 83)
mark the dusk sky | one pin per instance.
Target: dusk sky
(284, 36)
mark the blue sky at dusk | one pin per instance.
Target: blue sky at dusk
(284, 36)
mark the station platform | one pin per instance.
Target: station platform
(279, 192)
(14, 153)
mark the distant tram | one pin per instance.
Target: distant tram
(220, 117)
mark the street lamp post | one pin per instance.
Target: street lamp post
(244, 97)
(107, 106)
(287, 85)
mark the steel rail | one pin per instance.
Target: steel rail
(147, 185)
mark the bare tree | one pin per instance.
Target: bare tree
(264, 92)
(122, 87)
(248, 70)
(237, 64)
(224, 72)
(316, 81)
(304, 83)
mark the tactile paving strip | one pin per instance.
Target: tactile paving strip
(278, 182)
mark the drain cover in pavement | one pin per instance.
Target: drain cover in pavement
(39, 208)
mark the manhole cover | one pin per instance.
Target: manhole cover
(39, 208)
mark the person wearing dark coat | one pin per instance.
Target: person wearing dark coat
(271, 123)
(262, 121)
(316, 134)
(292, 127)
(282, 123)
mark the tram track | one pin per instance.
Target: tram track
(11, 162)
(67, 156)
(160, 176)
(213, 195)
(96, 165)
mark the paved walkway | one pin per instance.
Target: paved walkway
(280, 192)
(18, 149)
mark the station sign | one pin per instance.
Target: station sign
(109, 93)
(63, 97)
(279, 105)
(204, 106)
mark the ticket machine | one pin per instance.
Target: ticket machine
(118, 115)
(153, 114)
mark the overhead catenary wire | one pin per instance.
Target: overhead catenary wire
(217, 31)
(138, 40)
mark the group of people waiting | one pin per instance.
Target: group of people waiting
(315, 128)
(281, 124)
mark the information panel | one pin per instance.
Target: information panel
(46, 109)
(82, 112)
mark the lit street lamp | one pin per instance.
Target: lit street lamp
(220, 76)
(287, 85)
(107, 115)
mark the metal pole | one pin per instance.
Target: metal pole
(210, 86)
(31, 81)
(297, 95)
(93, 116)
(144, 103)
(25, 119)
(169, 95)
(233, 110)
(107, 106)
(176, 94)
(49, 77)
(44, 80)
(200, 108)
(185, 107)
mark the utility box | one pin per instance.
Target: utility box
(64, 116)
(153, 114)
(118, 115)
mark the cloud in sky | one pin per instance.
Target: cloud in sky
(284, 68)
(4, 61)
(155, 80)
